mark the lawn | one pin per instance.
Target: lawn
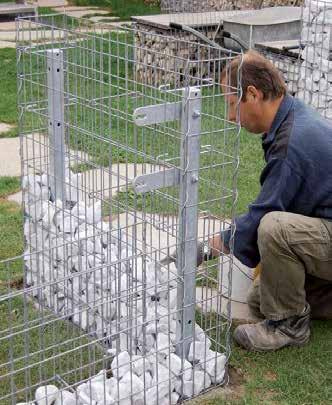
(117, 9)
(291, 376)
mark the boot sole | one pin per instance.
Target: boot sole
(250, 348)
(291, 344)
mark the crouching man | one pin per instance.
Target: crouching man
(288, 228)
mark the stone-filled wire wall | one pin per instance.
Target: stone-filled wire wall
(316, 68)
(161, 52)
(90, 274)
(191, 6)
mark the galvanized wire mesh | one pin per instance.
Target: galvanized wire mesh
(315, 71)
(89, 313)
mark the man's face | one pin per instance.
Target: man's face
(250, 110)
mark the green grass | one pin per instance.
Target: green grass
(8, 105)
(291, 376)
(119, 8)
(9, 185)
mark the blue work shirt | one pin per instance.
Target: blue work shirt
(297, 177)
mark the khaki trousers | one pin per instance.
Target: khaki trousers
(296, 261)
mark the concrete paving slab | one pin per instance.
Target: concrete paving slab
(5, 127)
(85, 13)
(7, 44)
(103, 20)
(10, 164)
(32, 36)
(51, 3)
(35, 147)
(17, 197)
(11, 8)
(77, 8)
(209, 300)
(44, 36)
(8, 26)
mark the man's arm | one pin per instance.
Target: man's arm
(280, 184)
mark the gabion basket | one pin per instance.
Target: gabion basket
(125, 159)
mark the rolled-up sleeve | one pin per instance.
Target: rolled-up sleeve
(279, 186)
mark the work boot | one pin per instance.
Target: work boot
(273, 335)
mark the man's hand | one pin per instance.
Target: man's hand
(205, 251)
(217, 246)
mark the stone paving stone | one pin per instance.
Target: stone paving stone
(8, 26)
(5, 127)
(51, 3)
(86, 12)
(213, 303)
(7, 44)
(17, 197)
(77, 8)
(104, 20)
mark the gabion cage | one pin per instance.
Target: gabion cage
(123, 162)
(315, 75)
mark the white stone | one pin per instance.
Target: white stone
(140, 365)
(83, 318)
(135, 384)
(46, 395)
(174, 398)
(125, 393)
(93, 213)
(112, 387)
(193, 387)
(175, 364)
(162, 378)
(65, 398)
(147, 379)
(100, 394)
(163, 344)
(121, 364)
(214, 366)
(198, 351)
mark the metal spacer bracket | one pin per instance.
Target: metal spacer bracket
(157, 114)
(157, 180)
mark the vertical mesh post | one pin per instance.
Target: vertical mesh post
(188, 217)
(56, 111)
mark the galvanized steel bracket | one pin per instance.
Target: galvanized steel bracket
(157, 114)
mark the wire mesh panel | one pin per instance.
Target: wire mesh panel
(315, 71)
(124, 161)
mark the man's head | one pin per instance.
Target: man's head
(262, 91)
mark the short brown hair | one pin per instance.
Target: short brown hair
(256, 71)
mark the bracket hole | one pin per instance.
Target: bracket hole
(58, 70)
(59, 124)
(189, 322)
(140, 117)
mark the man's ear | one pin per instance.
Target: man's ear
(253, 94)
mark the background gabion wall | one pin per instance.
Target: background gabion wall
(316, 68)
(178, 6)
